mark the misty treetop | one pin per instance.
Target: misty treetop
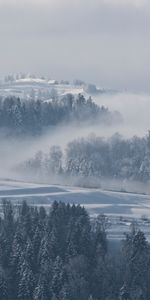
(94, 157)
(63, 255)
(32, 117)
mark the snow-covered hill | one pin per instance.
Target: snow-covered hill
(45, 88)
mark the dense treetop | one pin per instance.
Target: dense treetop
(61, 255)
(33, 116)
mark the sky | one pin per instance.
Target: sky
(106, 42)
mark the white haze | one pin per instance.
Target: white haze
(134, 108)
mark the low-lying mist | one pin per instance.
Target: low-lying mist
(133, 107)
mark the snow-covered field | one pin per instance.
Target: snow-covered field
(24, 88)
(37, 88)
(121, 208)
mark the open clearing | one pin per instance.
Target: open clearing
(121, 208)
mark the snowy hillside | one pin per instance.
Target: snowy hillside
(30, 87)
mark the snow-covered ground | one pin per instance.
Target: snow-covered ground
(95, 200)
(32, 87)
(121, 208)
(24, 88)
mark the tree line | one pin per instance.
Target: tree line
(33, 116)
(61, 254)
(95, 157)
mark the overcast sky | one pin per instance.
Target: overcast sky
(100, 41)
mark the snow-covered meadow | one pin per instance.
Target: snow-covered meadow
(121, 208)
